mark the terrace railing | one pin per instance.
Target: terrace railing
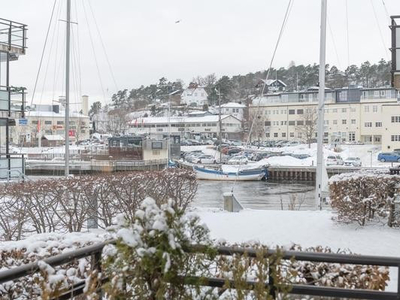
(12, 36)
(94, 253)
(12, 99)
(12, 166)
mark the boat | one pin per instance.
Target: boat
(241, 175)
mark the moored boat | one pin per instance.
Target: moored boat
(240, 175)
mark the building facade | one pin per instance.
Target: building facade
(47, 121)
(350, 115)
(234, 109)
(189, 127)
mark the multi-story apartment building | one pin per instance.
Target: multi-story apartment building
(12, 99)
(189, 127)
(351, 115)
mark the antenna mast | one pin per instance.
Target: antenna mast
(67, 88)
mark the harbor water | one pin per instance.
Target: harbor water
(257, 194)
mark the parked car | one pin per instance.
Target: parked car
(389, 157)
(300, 156)
(234, 151)
(334, 160)
(205, 159)
(238, 160)
(353, 162)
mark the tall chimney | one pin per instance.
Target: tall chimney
(85, 105)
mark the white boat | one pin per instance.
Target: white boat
(241, 175)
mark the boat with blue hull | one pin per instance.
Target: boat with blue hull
(240, 175)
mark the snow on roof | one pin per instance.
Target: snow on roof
(174, 120)
(54, 137)
(271, 81)
(52, 114)
(233, 104)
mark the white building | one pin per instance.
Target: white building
(194, 95)
(48, 120)
(351, 115)
(234, 109)
(189, 127)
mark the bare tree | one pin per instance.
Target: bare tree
(256, 127)
(118, 121)
(307, 125)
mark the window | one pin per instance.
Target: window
(334, 110)
(35, 122)
(377, 138)
(353, 121)
(395, 119)
(292, 123)
(300, 111)
(156, 145)
(291, 134)
(375, 108)
(283, 134)
(83, 131)
(283, 123)
(352, 136)
(156, 152)
(267, 135)
(299, 135)
(366, 108)
(159, 129)
(353, 109)
(300, 123)
(344, 110)
(267, 123)
(326, 110)
(396, 138)
(48, 122)
(275, 134)
(60, 122)
(344, 122)
(291, 111)
(283, 112)
(326, 122)
(368, 124)
(334, 122)
(378, 124)
(47, 132)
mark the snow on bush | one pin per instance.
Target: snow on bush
(66, 204)
(50, 281)
(362, 197)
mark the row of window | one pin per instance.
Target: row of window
(326, 110)
(58, 123)
(369, 124)
(396, 138)
(234, 110)
(395, 119)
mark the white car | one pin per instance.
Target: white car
(353, 162)
(334, 160)
(205, 159)
(238, 160)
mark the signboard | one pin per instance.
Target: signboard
(23, 122)
(71, 133)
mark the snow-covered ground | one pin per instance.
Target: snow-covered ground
(306, 228)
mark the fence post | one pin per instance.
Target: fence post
(96, 266)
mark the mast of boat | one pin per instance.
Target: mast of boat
(220, 126)
(66, 127)
(321, 100)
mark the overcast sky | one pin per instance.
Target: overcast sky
(145, 41)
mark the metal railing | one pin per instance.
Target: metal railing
(94, 252)
(13, 34)
(12, 99)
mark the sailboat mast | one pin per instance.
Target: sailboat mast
(67, 57)
(321, 99)
(220, 126)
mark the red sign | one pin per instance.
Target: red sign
(71, 133)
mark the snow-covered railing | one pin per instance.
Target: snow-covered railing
(95, 252)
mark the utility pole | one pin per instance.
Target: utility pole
(321, 100)
(66, 127)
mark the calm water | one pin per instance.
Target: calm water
(256, 194)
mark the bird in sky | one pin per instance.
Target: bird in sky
(176, 22)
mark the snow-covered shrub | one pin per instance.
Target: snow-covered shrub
(338, 275)
(150, 258)
(66, 204)
(49, 281)
(362, 197)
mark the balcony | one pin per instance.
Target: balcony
(12, 37)
(12, 99)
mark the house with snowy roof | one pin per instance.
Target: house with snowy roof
(194, 95)
(233, 109)
(272, 85)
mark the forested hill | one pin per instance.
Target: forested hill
(296, 77)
